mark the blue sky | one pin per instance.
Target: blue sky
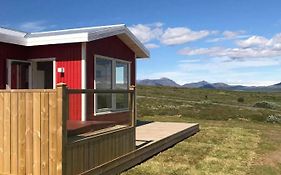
(231, 41)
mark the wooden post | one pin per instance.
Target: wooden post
(62, 114)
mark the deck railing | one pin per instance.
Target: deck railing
(91, 92)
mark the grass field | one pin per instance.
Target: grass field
(235, 137)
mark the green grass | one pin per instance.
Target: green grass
(234, 138)
(219, 105)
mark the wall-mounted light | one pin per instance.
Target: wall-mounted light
(61, 70)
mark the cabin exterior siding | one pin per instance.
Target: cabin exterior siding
(111, 47)
(67, 56)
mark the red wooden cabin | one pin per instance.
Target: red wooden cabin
(101, 57)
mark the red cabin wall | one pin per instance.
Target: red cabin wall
(9, 51)
(110, 47)
(67, 56)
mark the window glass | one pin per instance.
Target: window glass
(122, 101)
(121, 75)
(103, 81)
(104, 102)
(103, 74)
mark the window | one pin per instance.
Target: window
(111, 74)
(121, 82)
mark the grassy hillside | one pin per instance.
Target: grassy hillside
(236, 137)
(207, 104)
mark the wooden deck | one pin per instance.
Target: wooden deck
(151, 139)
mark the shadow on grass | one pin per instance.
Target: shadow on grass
(140, 122)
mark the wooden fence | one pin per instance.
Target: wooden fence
(33, 135)
(31, 131)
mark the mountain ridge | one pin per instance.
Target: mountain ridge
(206, 85)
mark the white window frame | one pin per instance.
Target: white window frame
(113, 84)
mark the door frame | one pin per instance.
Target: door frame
(9, 71)
(53, 60)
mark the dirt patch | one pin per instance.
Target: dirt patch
(272, 159)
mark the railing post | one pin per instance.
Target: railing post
(62, 116)
(133, 105)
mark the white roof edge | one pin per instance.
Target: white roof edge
(137, 41)
(12, 32)
(75, 29)
(75, 35)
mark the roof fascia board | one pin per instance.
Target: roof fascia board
(59, 32)
(140, 45)
(12, 39)
(58, 39)
(12, 32)
(103, 34)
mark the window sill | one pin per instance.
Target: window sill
(111, 112)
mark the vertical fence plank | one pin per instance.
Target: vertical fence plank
(52, 134)
(21, 133)
(86, 156)
(69, 161)
(74, 159)
(36, 134)
(62, 115)
(7, 133)
(44, 134)
(29, 131)
(1, 131)
(14, 134)
(91, 154)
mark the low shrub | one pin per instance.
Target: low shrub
(241, 99)
(274, 118)
(265, 104)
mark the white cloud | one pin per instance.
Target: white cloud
(167, 36)
(229, 35)
(220, 65)
(147, 32)
(151, 46)
(253, 41)
(232, 34)
(181, 35)
(33, 26)
(252, 47)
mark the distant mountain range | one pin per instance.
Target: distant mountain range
(207, 85)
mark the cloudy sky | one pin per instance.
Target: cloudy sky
(233, 41)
